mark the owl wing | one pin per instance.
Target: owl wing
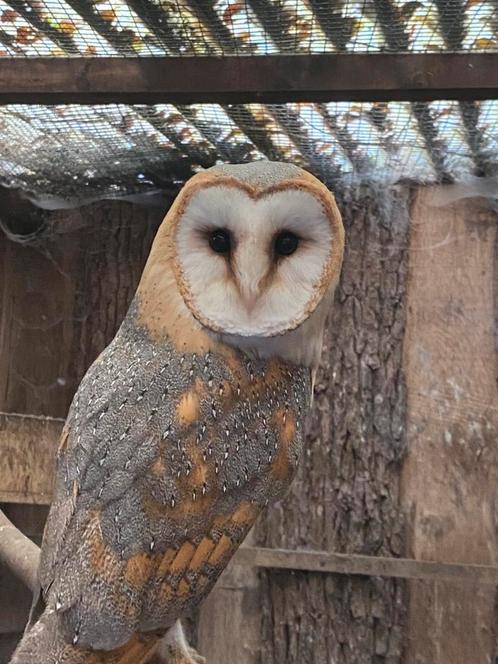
(132, 540)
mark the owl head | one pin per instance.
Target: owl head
(255, 252)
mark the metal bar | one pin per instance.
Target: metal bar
(220, 34)
(469, 113)
(211, 133)
(343, 563)
(245, 79)
(9, 42)
(275, 22)
(204, 155)
(319, 163)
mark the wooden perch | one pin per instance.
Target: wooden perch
(19, 553)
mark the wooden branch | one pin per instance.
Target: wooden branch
(342, 563)
(247, 79)
(19, 553)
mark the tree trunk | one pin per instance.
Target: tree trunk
(346, 495)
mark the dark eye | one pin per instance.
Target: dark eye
(286, 243)
(219, 241)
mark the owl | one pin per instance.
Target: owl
(191, 421)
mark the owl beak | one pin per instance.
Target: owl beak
(250, 290)
(250, 300)
(251, 271)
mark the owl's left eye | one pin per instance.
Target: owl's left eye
(286, 243)
(220, 241)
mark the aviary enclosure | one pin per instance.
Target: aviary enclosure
(385, 549)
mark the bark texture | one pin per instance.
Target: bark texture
(346, 495)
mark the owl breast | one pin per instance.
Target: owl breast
(172, 457)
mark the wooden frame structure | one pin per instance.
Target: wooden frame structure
(246, 79)
(28, 442)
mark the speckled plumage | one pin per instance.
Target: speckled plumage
(208, 440)
(177, 438)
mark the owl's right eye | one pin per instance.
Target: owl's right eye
(220, 241)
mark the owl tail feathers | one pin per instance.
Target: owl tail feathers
(44, 644)
(174, 648)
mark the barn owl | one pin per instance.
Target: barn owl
(191, 421)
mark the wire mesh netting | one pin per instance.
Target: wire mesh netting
(79, 152)
(90, 151)
(204, 27)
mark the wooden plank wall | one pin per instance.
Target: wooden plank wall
(62, 298)
(450, 476)
(402, 456)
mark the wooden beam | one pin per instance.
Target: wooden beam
(245, 79)
(342, 563)
(28, 445)
(27, 448)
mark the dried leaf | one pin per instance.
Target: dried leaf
(108, 14)
(26, 35)
(443, 113)
(174, 119)
(483, 42)
(9, 16)
(305, 33)
(231, 10)
(67, 27)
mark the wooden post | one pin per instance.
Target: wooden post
(229, 621)
(450, 476)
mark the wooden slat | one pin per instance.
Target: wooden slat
(450, 472)
(341, 563)
(234, 79)
(27, 449)
(28, 445)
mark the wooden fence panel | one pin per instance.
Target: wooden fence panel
(450, 477)
(401, 459)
